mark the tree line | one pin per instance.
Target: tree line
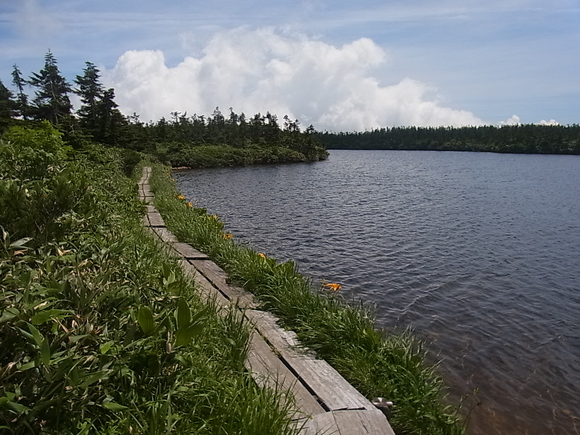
(522, 138)
(98, 119)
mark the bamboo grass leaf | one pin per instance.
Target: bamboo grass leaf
(115, 407)
(183, 314)
(145, 319)
(45, 352)
(46, 315)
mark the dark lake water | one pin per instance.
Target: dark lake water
(478, 253)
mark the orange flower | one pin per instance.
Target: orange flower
(181, 197)
(189, 204)
(228, 236)
(261, 255)
(333, 286)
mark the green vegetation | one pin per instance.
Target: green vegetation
(192, 141)
(100, 331)
(532, 139)
(378, 364)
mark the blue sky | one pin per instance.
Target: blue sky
(338, 65)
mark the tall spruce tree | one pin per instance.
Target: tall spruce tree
(21, 98)
(91, 92)
(51, 102)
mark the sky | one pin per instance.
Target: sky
(338, 65)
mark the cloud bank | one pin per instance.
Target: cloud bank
(262, 70)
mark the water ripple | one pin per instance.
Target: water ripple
(478, 253)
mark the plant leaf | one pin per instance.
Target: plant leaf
(183, 314)
(9, 314)
(46, 315)
(114, 406)
(145, 319)
(45, 352)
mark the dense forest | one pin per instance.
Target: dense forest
(182, 140)
(528, 138)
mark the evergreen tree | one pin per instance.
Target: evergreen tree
(109, 118)
(21, 98)
(91, 93)
(7, 106)
(51, 102)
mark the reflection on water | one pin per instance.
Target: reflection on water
(478, 253)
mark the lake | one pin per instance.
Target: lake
(478, 253)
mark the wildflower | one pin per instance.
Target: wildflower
(261, 255)
(190, 204)
(214, 216)
(181, 197)
(228, 236)
(333, 286)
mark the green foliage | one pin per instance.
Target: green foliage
(101, 332)
(7, 106)
(533, 139)
(197, 142)
(343, 333)
(51, 102)
(211, 156)
(30, 154)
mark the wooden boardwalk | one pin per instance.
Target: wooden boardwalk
(327, 403)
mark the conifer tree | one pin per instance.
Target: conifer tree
(51, 102)
(91, 92)
(7, 106)
(21, 98)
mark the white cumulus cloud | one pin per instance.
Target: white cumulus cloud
(513, 120)
(550, 122)
(259, 70)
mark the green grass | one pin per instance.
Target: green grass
(100, 330)
(378, 364)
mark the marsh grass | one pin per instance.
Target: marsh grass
(100, 331)
(379, 364)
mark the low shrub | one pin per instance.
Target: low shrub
(100, 331)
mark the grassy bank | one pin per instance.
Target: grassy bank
(99, 330)
(378, 364)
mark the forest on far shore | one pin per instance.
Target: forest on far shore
(521, 138)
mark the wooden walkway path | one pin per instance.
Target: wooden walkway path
(327, 403)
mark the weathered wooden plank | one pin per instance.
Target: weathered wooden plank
(164, 234)
(155, 219)
(151, 209)
(324, 424)
(330, 387)
(218, 277)
(189, 252)
(268, 370)
(207, 290)
(353, 422)
(371, 422)
(146, 189)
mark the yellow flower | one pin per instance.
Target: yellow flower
(214, 216)
(333, 286)
(189, 204)
(181, 197)
(261, 255)
(228, 236)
